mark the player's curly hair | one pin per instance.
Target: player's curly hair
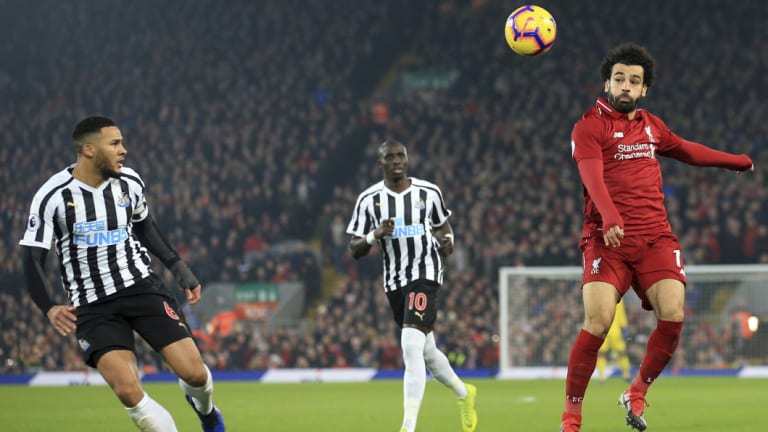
(630, 54)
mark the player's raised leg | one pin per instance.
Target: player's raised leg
(196, 382)
(118, 367)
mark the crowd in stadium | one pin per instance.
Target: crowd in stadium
(266, 136)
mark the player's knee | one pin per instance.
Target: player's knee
(597, 328)
(674, 313)
(412, 352)
(428, 355)
(129, 393)
(410, 349)
(195, 377)
(432, 357)
(677, 316)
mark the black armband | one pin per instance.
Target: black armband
(184, 276)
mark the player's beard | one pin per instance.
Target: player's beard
(621, 105)
(106, 168)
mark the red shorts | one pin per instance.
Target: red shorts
(639, 262)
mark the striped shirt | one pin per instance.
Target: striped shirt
(92, 231)
(411, 252)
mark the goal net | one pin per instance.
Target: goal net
(540, 314)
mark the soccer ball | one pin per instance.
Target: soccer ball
(530, 30)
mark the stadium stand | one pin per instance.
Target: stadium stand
(255, 125)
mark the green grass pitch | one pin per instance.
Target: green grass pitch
(676, 404)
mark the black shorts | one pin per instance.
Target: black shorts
(415, 304)
(109, 324)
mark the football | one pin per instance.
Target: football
(530, 30)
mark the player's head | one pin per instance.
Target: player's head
(393, 160)
(627, 71)
(99, 142)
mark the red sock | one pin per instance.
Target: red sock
(581, 365)
(661, 346)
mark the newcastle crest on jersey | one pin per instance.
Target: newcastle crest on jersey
(124, 200)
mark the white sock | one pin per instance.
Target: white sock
(441, 368)
(150, 416)
(415, 377)
(202, 397)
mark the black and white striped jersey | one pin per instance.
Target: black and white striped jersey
(411, 252)
(92, 231)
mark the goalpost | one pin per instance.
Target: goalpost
(725, 332)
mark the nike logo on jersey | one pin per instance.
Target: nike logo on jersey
(71, 204)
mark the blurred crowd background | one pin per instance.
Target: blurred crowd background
(255, 125)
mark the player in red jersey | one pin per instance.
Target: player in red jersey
(627, 240)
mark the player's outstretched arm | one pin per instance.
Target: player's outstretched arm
(694, 153)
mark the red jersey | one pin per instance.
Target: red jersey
(627, 150)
